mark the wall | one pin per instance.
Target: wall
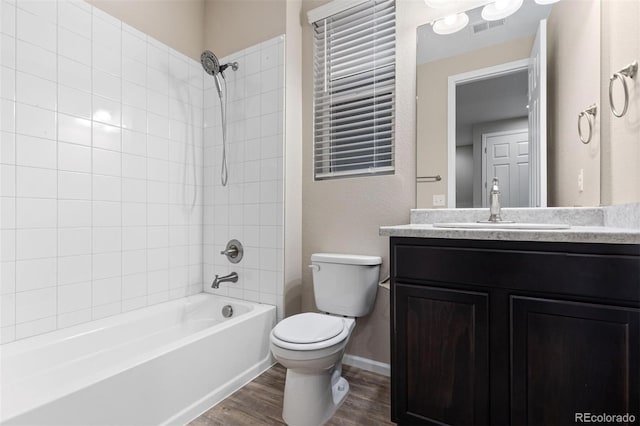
(101, 158)
(432, 93)
(343, 215)
(176, 23)
(293, 264)
(464, 176)
(620, 136)
(573, 40)
(233, 25)
(251, 207)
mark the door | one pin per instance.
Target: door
(440, 368)
(506, 156)
(538, 118)
(570, 358)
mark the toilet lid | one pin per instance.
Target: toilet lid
(308, 328)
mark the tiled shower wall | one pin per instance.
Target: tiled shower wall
(250, 208)
(101, 168)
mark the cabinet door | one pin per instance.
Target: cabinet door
(440, 361)
(570, 358)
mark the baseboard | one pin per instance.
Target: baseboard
(367, 364)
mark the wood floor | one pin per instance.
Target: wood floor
(260, 402)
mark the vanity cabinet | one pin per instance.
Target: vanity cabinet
(504, 332)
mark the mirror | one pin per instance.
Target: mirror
(483, 110)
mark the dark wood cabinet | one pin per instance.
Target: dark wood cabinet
(500, 332)
(446, 354)
(570, 358)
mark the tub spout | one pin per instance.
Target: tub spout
(231, 278)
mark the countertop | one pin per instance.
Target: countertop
(603, 225)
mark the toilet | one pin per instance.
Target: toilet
(311, 345)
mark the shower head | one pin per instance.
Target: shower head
(210, 62)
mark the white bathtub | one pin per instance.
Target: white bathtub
(164, 364)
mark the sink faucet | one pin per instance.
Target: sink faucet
(495, 204)
(231, 278)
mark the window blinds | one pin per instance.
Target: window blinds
(354, 91)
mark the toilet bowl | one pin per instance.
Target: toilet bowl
(311, 345)
(314, 388)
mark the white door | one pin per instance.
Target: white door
(506, 156)
(538, 118)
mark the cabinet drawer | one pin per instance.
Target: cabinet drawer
(585, 275)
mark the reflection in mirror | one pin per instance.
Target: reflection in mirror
(491, 127)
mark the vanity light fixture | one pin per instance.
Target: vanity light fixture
(500, 9)
(545, 2)
(450, 24)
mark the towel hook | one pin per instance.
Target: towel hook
(590, 113)
(630, 71)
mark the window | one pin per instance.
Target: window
(354, 90)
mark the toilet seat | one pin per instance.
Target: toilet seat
(310, 331)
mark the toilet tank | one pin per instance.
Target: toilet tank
(345, 284)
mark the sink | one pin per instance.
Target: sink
(501, 225)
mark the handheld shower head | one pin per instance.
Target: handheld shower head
(210, 62)
(211, 65)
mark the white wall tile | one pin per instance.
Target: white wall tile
(74, 241)
(74, 74)
(107, 240)
(134, 238)
(7, 245)
(35, 152)
(134, 262)
(36, 213)
(7, 148)
(74, 269)
(72, 157)
(105, 291)
(106, 162)
(133, 46)
(35, 182)
(74, 297)
(33, 121)
(134, 190)
(106, 188)
(94, 142)
(106, 85)
(35, 60)
(35, 304)
(36, 30)
(43, 8)
(74, 213)
(35, 91)
(106, 213)
(8, 16)
(135, 70)
(35, 274)
(7, 310)
(74, 18)
(106, 111)
(74, 130)
(74, 46)
(74, 102)
(134, 95)
(106, 265)
(74, 186)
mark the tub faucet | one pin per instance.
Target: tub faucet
(231, 278)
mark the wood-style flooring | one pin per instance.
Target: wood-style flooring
(260, 401)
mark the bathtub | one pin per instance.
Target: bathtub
(164, 364)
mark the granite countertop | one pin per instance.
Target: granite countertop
(605, 225)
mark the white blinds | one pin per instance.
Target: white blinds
(354, 91)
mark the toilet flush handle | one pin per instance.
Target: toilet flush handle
(315, 268)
